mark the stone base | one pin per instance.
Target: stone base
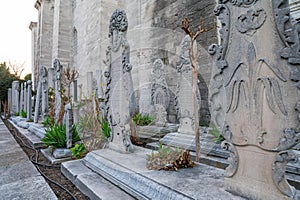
(129, 173)
(154, 133)
(48, 154)
(37, 129)
(186, 141)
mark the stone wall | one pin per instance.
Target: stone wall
(154, 32)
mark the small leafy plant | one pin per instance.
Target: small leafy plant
(56, 136)
(78, 151)
(17, 114)
(47, 122)
(105, 128)
(23, 114)
(30, 120)
(215, 132)
(168, 158)
(142, 120)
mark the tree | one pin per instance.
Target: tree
(188, 31)
(16, 69)
(6, 79)
(27, 77)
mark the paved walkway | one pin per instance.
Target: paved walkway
(19, 179)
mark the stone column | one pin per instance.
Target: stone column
(29, 100)
(15, 97)
(253, 94)
(45, 98)
(58, 86)
(75, 102)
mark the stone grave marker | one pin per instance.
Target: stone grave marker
(21, 97)
(25, 97)
(118, 77)
(58, 70)
(29, 99)
(41, 102)
(253, 93)
(9, 99)
(15, 97)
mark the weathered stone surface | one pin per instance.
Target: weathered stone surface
(119, 83)
(90, 183)
(15, 96)
(129, 172)
(48, 153)
(58, 70)
(254, 95)
(37, 129)
(61, 153)
(29, 100)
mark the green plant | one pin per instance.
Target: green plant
(30, 120)
(216, 133)
(56, 136)
(142, 120)
(17, 114)
(168, 158)
(105, 128)
(78, 151)
(47, 122)
(23, 114)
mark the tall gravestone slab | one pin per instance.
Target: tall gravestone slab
(41, 103)
(15, 97)
(21, 97)
(25, 97)
(29, 99)
(254, 93)
(58, 70)
(118, 90)
(184, 101)
(51, 77)
(9, 99)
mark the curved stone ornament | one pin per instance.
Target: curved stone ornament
(251, 21)
(233, 158)
(254, 94)
(278, 169)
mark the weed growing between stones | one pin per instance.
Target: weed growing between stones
(168, 158)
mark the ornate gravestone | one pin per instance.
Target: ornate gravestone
(15, 97)
(118, 88)
(58, 70)
(41, 102)
(51, 78)
(254, 93)
(184, 102)
(29, 100)
(159, 90)
(160, 100)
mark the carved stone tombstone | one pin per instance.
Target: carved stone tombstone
(41, 102)
(15, 97)
(21, 101)
(51, 77)
(58, 70)
(159, 91)
(184, 102)
(254, 93)
(25, 97)
(118, 76)
(29, 100)
(9, 99)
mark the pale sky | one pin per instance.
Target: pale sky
(15, 35)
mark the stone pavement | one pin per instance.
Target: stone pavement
(19, 179)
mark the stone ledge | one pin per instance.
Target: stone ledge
(129, 172)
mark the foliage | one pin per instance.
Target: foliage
(17, 114)
(105, 128)
(6, 79)
(94, 130)
(23, 114)
(215, 132)
(142, 120)
(27, 77)
(30, 120)
(51, 100)
(56, 136)
(47, 122)
(78, 151)
(168, 158)
(16, 68)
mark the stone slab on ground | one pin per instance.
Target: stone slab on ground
(129, 172)
(91, 184)
(32, 138)
(19, 177)
(33, 188)
(48, 154)
(37, 129)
